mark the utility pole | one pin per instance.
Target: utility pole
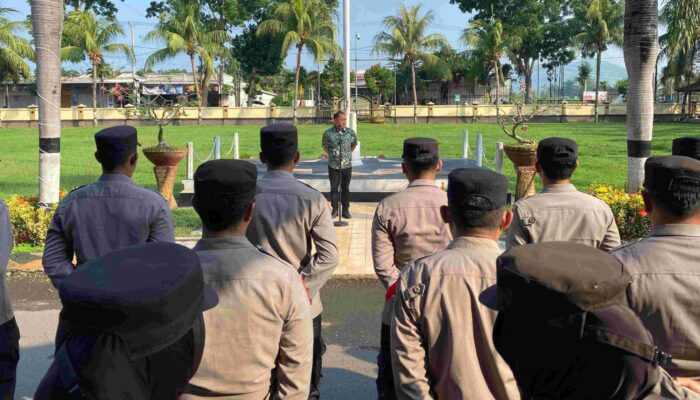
(357, 38)
(133, 64)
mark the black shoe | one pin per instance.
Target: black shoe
(334, 214)
(346, 214)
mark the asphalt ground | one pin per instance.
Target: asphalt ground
(351, 323)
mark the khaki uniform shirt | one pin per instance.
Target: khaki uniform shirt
(668, 389)
(407, 226)
(6, 244)
(289, 218)
(665, 291)
(107, 215)
(441, 335)
(261, 329)
(560, 213)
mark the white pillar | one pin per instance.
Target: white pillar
(479, 150)
(465, 144)
(498, 158)
(346, 55)
(236, 149)
(190, 160)
(217, 147)
(356, 158)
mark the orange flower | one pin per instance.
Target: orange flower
(642, 213)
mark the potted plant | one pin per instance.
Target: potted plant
(164, 157)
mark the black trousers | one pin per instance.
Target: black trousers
(9, 357)
(317, 366)
(385, 377)
(343, 184)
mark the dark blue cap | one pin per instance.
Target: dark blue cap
(117, 139)
(232, 178)
(149, 295)
(477, 189)
(687, 146)
(417, 149)
(279, 138)
(557, 150)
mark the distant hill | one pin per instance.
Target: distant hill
(608, 72)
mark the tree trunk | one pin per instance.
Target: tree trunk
(498, 88)
(597, 85)
(206, 80)
(94, 93)
(7, 95)
(415, 93)
(296, 87)
(196, 90)
(640, 50)
(251, 86)
(528, 87)
(47, 23)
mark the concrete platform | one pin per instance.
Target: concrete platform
(371, 182)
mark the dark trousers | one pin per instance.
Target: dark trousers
(9, 357)
(340, 179)
(385, 377)
(317, 367)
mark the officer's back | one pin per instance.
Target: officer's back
(109, 214)
(560, 212)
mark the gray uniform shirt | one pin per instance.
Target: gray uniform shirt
(665, 291)
(261, 329)
(560, 213)
(6, 244)
(289, 219)
(96, 219)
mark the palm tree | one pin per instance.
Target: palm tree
(407, 40)
(640, 49)
(305, 24)
(584, 75)
(489, 42)
(47, 23)
(14, 51)
(183, 31)
(604, 26)
(92, 38)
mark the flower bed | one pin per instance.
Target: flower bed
(628, 209)
(29, 222)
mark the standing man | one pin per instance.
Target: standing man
(666, 265)
(290, 219)
(109, 214)
(268, 356)
(9, 332)
(687, 146)
(407, 226)
(441, 344)
(339, 142)
(560, 213)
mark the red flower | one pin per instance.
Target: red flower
(642, 213)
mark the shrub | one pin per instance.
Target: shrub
(628, 209)
(29, 221)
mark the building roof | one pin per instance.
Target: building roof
(693, 87)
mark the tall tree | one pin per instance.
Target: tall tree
(92, 38)
(584, 75)
(408, 40)
(47, 23)
(102, 8)
(603, 26)
(14, 51)
(380, 82)
(640, 50)
(257, 56)
(182, 31)
(305, 24)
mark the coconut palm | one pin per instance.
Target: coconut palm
(640, 49)
(584, 75)
(305, 24)
(14, 50)
(92, 38)
(183, 31)
(408, 40)
(604, 23)
(47, 23)
(489, 42)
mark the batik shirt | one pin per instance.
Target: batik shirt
(339, 144)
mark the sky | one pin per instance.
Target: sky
(365, 19)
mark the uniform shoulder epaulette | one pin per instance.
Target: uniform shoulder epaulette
(309, 186)
(626, 245)
(78, 188)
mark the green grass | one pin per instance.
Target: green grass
(602, 150)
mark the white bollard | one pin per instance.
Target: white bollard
(498, 158)
(217, 147)
(479, 150)
(356, 158)
(236, 150)
(190, 160)
(465, 144)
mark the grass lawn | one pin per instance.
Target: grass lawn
(602, 150)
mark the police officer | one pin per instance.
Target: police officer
(260, 339)
(666, 265)
(9, 332)
(291, 217)
(109, 214)
(136, 326)
(687, 146)
(407, 226)
(560, 212)
(339, 142)
(566, 331)
(441, 343)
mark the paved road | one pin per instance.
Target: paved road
(351, 326)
